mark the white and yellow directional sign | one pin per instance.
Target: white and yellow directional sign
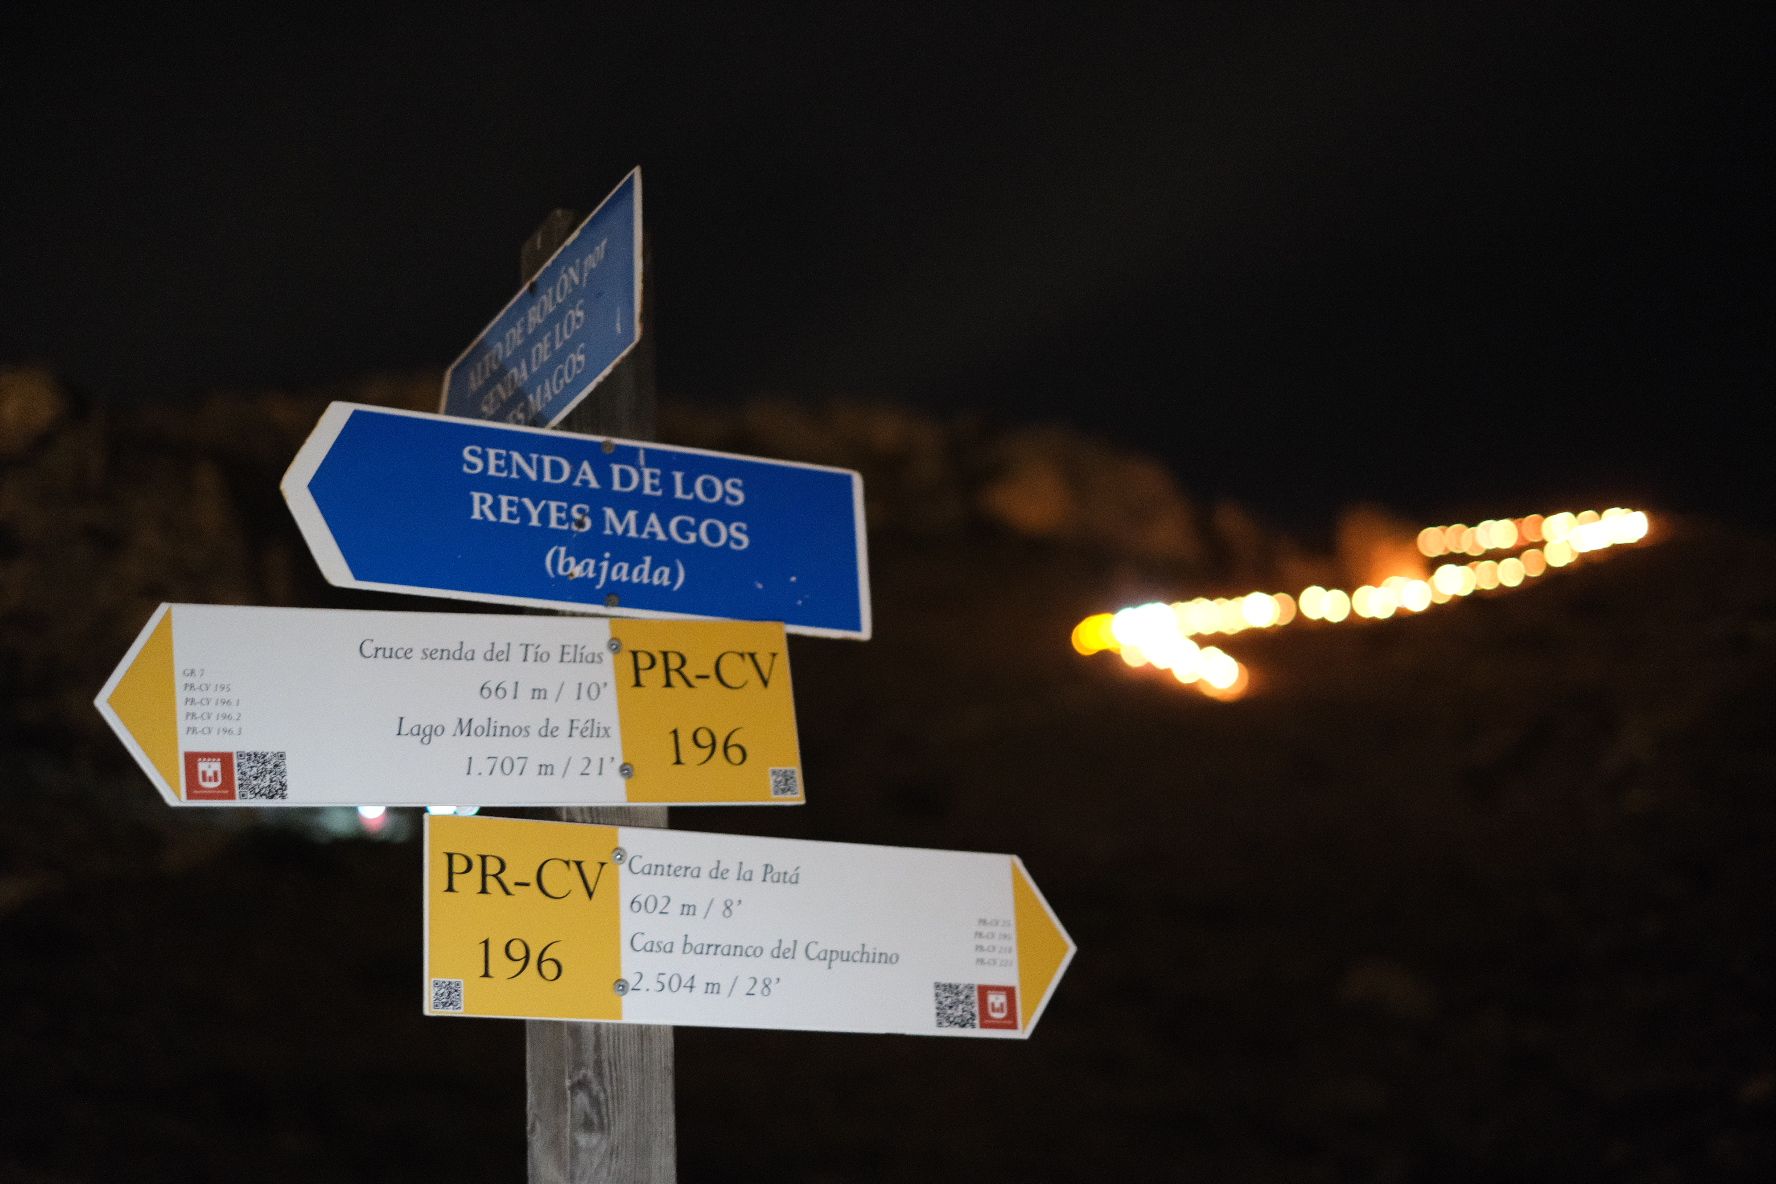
(558, 920)
(312, 707)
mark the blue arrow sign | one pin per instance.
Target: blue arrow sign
(568, 328)
(401, 501)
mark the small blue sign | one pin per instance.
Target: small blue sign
(400, 501)
(568, 328)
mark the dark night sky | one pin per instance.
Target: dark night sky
(1454, 259)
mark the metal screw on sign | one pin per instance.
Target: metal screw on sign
(621, 986)
(626, 770)
(618, 855)
(614, 646)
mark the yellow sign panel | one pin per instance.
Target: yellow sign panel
(555, 920)
(707, 711)
(525, 918)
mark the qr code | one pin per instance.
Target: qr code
(260, 776)
(957, 1005)
(785, 783)
(447, 994)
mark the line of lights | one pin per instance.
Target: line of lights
(1163, 636)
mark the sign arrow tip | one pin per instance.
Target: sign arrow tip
(142, 699)
(1044, 949)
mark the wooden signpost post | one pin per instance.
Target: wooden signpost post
(598, 1097)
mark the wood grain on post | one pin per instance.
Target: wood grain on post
(599, 1096)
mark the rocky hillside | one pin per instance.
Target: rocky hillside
(1476, 895)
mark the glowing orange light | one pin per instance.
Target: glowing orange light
(1196, 616)
(1092, 635)
(1589, 536)
(1219, 668)
(1313, 602)
(1241, 681)
(1259, 610)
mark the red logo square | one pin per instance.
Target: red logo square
(209, 777)
(998, 1007)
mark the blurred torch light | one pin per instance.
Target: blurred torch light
(1160, 636)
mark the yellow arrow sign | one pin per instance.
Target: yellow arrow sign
(556, 920)
(304, 707)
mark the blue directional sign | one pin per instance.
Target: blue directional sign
(569, 327)
(401, 501)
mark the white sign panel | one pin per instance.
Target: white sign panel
(558, 920)
(229, 705)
